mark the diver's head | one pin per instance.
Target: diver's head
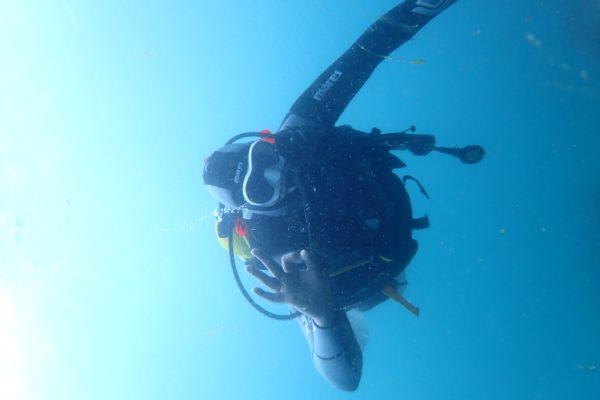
(224, 173)
(245, 173)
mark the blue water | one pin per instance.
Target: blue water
(112, 285)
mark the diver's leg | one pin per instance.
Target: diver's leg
(398, 25)
(327, 97)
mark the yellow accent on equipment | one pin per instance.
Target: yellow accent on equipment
(241, 247)
(393, 294)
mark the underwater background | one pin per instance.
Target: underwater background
(113, 286)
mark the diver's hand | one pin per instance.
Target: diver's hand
(299, 281)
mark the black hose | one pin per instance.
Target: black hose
(248, 134)
(280, 317)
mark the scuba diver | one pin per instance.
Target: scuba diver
(316, 210)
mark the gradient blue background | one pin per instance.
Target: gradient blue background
(112, 285)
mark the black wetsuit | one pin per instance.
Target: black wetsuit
(348, 207)
(329, 95)
(308, 131)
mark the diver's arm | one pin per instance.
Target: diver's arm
(327, 97)
(301, 281)
(335, 351)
